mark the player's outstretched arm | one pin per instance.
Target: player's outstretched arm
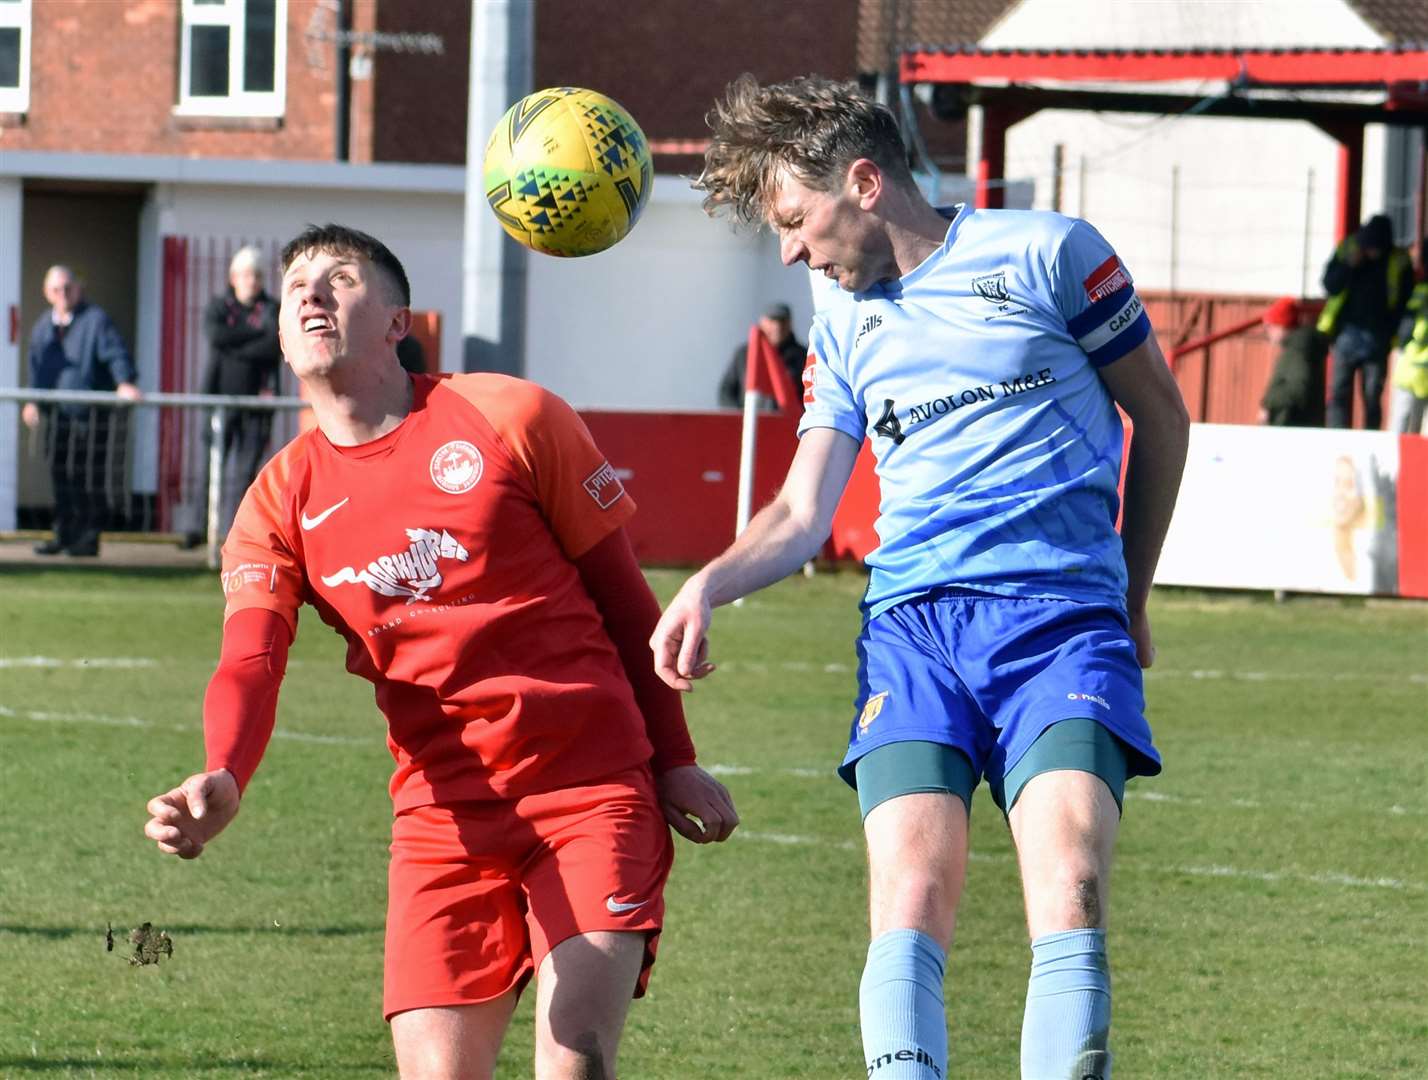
(1141, 383)
(184, 819)
(780, 538)
(239, 709)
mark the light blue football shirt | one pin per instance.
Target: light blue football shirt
(974, 376)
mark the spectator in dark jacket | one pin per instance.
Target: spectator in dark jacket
(244, 358)
(1295, 394)
(1368, 281)
(776, 323)
(74, 346)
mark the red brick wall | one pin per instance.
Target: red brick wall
(104, 79)
(667, 62)
(422, 98)
(104, 75)
(362, 93)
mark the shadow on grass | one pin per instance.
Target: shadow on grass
(64, 933)
(149, 1066)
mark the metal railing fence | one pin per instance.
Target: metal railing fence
(178, 456)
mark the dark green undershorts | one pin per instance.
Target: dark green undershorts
(903, 768)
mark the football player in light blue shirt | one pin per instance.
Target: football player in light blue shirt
(983, 355)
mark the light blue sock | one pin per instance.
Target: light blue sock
(900, 1002)
(1066, 1030)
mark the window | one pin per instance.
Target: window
(14, 56)
(232, 59)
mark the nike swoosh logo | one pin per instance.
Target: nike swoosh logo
(314, 522)
(616, 908)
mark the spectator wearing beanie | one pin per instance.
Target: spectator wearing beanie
(1294, 396)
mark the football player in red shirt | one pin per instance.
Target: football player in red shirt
(465, 536)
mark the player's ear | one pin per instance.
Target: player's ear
(401, 324)
(865, 182)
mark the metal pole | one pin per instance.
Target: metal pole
(343, 127)
(1308, 233)
(1081, 188)
(493, 295)
(1058, 167)
(217, 424)
(747, 441)
(1174, 222)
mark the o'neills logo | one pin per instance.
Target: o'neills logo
(456, 467)
(915, 1056)
(412, 573)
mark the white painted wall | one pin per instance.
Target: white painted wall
(1243, 185)
(423, 230)
(10, 226)
(651, 323)
(1188, 24)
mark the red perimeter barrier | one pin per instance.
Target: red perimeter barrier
(1413, 516)
(682, 469)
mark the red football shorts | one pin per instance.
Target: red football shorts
(479, 892)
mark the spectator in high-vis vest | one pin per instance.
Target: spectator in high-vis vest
(1368, 280)
(1408, 408)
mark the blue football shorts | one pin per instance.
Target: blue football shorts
(987, 675)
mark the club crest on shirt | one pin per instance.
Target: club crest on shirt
(992, 287)
(456, 467)
(412, 573)
(871, 708)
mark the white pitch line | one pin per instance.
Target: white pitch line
(782, 839)
(1212, 674)
(1330, 878)
(107, 662)
(43, 716)
(1323, 878)
(718, 769)
(806, 667)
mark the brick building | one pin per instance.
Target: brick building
(142, 141)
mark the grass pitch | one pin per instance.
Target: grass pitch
(1269, 908)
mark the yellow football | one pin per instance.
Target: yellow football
(567, 171)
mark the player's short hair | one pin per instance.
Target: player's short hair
(333, 239)
(814, 126)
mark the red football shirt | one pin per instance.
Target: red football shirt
(442, 553)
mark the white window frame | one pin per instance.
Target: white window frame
(16, 99)
(231, 13)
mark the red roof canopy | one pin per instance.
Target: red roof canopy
(1299, 68)
(1323, 86)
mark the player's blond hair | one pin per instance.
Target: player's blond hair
(813, 126)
